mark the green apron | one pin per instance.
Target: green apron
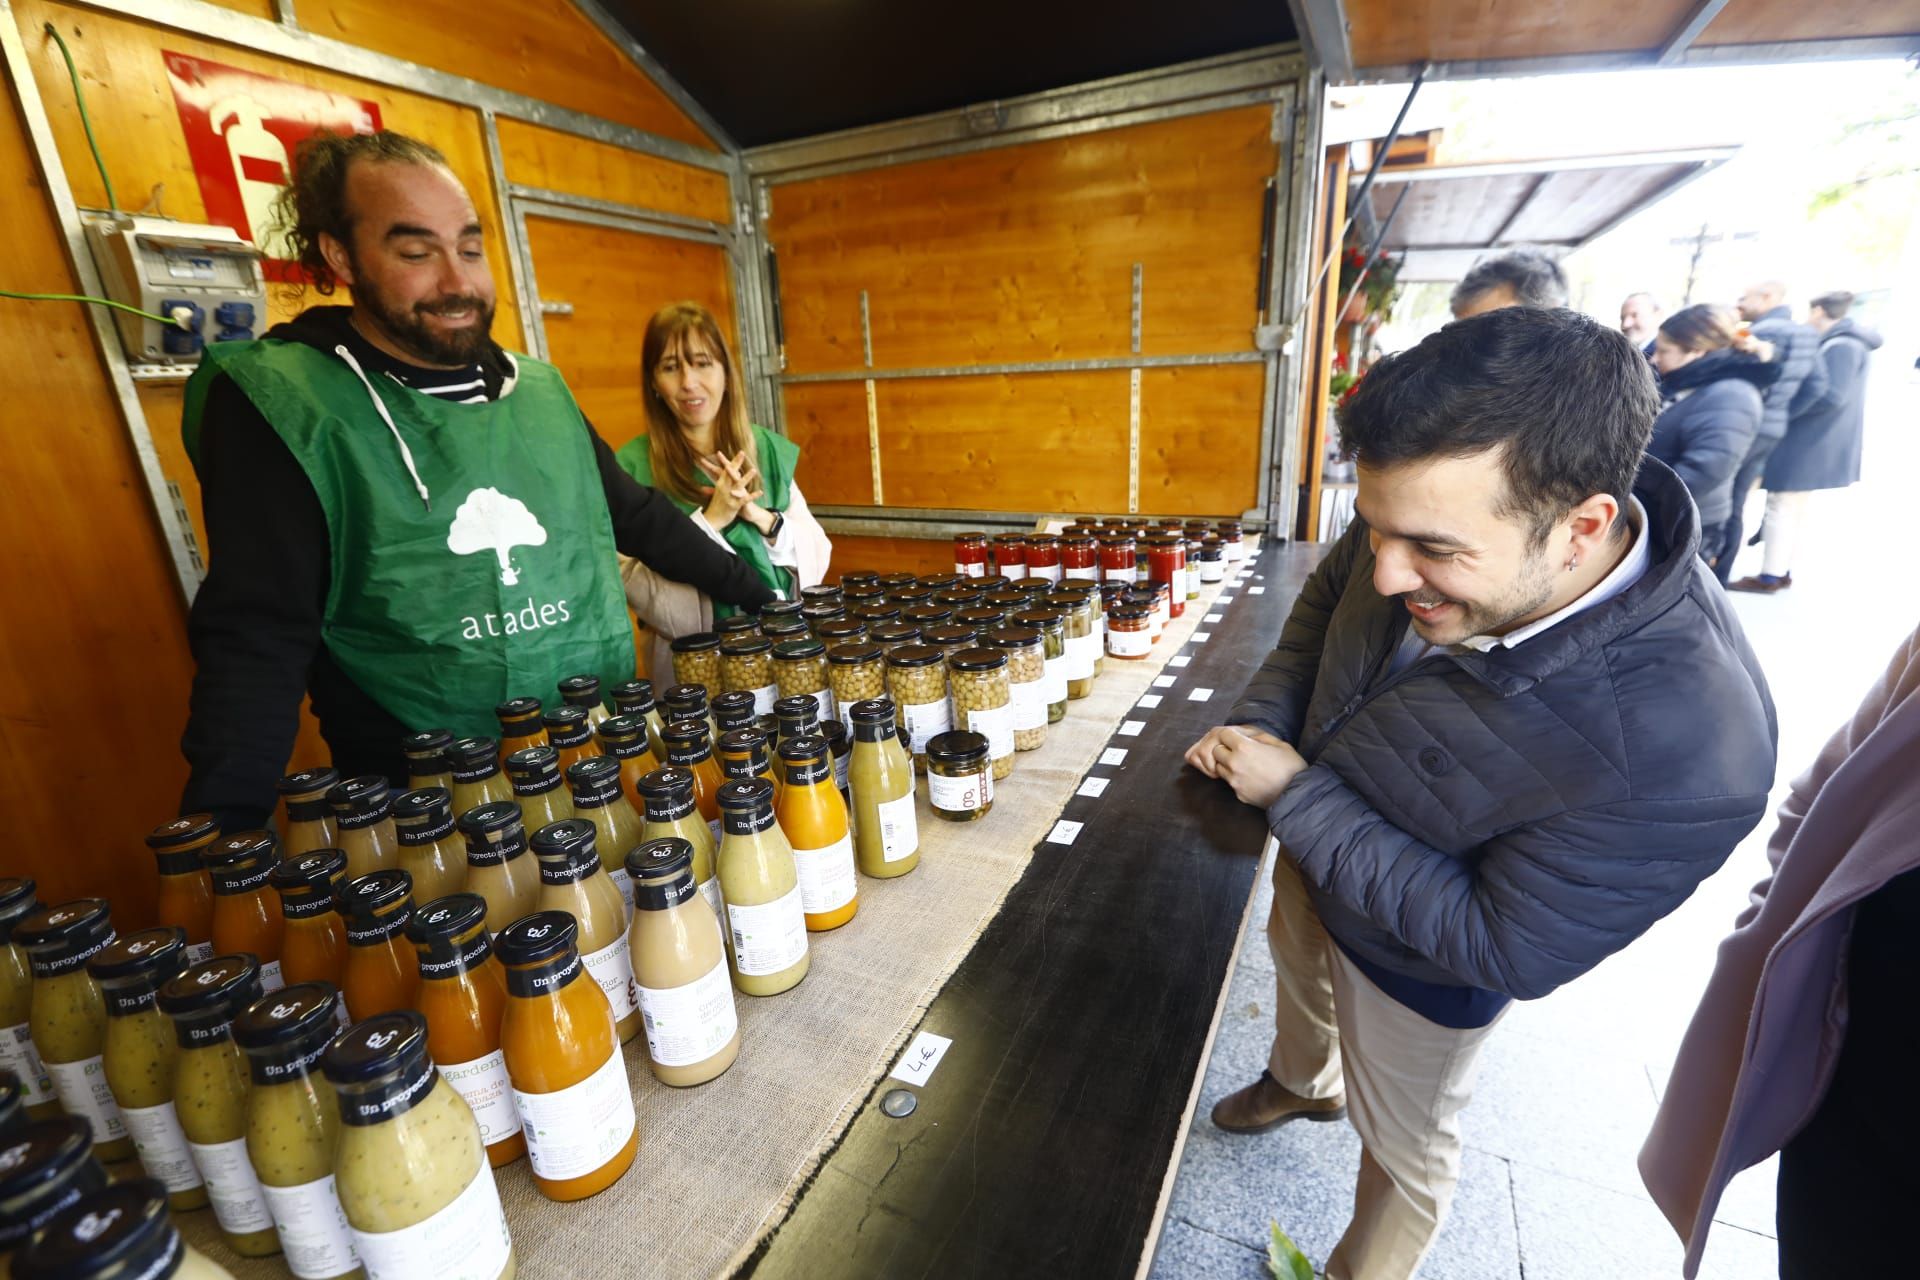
(472, 551)
(778, 458)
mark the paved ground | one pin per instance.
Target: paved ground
(1568, 1084)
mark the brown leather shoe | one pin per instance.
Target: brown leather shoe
(1761, 584)
(1265, 1105)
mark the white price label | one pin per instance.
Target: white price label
(922, 1056)
(162, 1146)
(899, 828)
(575, 1130)
(1212, 617)
(1201, 637)
(1149, 701)
(1064, 832)
(690, 1024)
(1093, 787)
(1164, 682)
(1199, 695)
(1113, 756)
(1132, 728)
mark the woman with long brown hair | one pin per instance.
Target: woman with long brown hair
(734, 480)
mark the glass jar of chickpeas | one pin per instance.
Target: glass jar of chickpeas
(696, 659)
(746, 666)
(1052, 626)
(856, 672)
(800, 670)
(983, 702)
(1026, 683)
(917, 682)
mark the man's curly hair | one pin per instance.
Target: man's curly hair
(316, 200)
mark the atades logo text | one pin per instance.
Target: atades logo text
(530, 617)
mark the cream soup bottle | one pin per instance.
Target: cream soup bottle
(430, 850)
(536, 779)
(670, 811)
(309, 814)
(680, 968)
(761, 884)
(363, 824)
(572, 880)
(499, 868)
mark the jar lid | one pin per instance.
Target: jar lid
(484, 819)
(659, 859)
(1032, 588)
(447, 917)
(306, 781)
(238, 849)
(872, 711)
(368, 895)
(734, 708)
(1132, 612)
(949, 637)
(738, 623)
(1010, 538)
(121, 1230)
(639, 692)
(698, 642)
(536, 937)
(581, 689)
(836, 736)
(160, 952)
(212, 985)
(468, 753)
(877, 612)
(807, 746)
(940, 581)
(957, 746)
(914, 655)
(188, 828)
(1013, 637)
(1077, 538)
(902, 579)
(820, 591)
(854, 576)
(65, 924)
(432, 804)
(960, 597)
(39, 1165)
(792, 650)
(894, 633)
(746, 794)
(692, 698)
(363, 794)
(1074, 592)
(910, 596)
(778, 629)
(298, 1012)
(315, 869)
(593, 773)
(426, 743)
(1043, 619)
(823, 611)
(926, 615)
(569, 839)
(379, 1046)
(982, 616)
(832, 630)
(516, 708)
(977, 660)
(666, 783)
(970, 538)
(852, 655)
(1040, 539)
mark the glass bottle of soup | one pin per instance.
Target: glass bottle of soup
(427, 762)
(309, 815)
(742, 754)
(186, 891)
(687, 702)
(761, 885)
(734, 711)
(584, 692)
(569, 734)
(635, 698)
(380, 973)
(537, 786)
(599, 798)
(210, 1094)
(886, 830)
(17, 1054)
(498, 868)
(430, 852)
(520, 725)
(798, 717)
(47, 1169)
(363, 824)
(1052, 626)
(572, 880)
(313, 941)
(293, 1126)
(477, 780)
(245, 917)
(680, 968)
(624, 738)
(69, 1017)
(139, 1053)
(117, 1232)
(563, 1057)
(410, 1169)
(667, 795)
(463, 993)
(689, 748)
(813, 815)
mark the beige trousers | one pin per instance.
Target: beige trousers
(1406, 1081)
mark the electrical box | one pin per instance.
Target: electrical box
(205, 273)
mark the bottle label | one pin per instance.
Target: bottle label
(612, 967)
(198, 952)
(827, 709)
(763, 699)
(826, 876)
(769, 937)
(467, 1240)
(1083, 573)
(270, 979)
(995, 724)
(1029, 705)
(924, 721)
(960, 795)
(162, 1147)
(1055, 683)
(82, 1087)
(1130, 644)
(1081, 651)
(710, 890)
(970, 570)
(482, 1083)
(1051, 572)
(1012, 572)
(573, 1131)
(18, 1055)
(899, 828)
(690, 1024)
(237, 1200)
(1127, 575)
(624, 883)
(313, 1229)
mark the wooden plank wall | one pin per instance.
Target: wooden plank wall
(94, 668)
(1026, 253)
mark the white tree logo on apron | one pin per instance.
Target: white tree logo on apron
(489, 520)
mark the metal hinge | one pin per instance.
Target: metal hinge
(555, 308)
(989, 118)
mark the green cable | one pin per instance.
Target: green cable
(86, 122)
(169, 321)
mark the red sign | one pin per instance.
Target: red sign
(241, 130)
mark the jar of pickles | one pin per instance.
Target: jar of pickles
(959, 776)
(536, 778)
(427, 762)
(463, 995)
(1130, 632)
(1052, 626)
(498, 868)
(309, 816)
(1026, 683)
(475, 764)
(139, 1053)
(186, 891)
(520, 725)
(313, 941)
(1081, 640)
(17, 1054)
(430, 851)
(856, 672)
(983, 702)
(363, 824)
(917, 683)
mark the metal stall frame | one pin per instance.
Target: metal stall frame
(283, 37)
(1279, 75)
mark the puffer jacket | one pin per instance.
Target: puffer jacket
(1803, 379)
(1822, 446)
(1704, 433)
(1506, 820)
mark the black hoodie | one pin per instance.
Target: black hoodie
(255, 624)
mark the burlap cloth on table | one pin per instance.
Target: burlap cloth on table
(718, 1164)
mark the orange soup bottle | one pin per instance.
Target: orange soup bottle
(690, 747)
(309, 816)
(814, 817)
(475, 766)
(380, 973)
(363, 824)
(624, 738)
(244, 917)
(520, 725)
(537, 787)
(463, 996)
(563, 1056)
(186, 891)
(570, 734)
(313, 943)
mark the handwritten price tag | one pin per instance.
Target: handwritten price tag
(922, 1056)
(1164, 682)
(1113, 756)
(1092, 788)
(1064, 832)
(1199, 695)
(1149, 701)
(1132, 728)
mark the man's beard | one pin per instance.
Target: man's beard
(409, 328)
(1532, 589)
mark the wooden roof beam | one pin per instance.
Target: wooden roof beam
(1697, 21)
(1322, 27)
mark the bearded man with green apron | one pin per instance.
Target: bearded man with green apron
(405, 521)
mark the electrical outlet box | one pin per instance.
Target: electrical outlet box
(163, 266)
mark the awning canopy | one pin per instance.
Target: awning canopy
(1450, 216)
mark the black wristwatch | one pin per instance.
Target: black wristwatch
(779, 523)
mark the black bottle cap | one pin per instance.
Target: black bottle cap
(537, 937)
(364, 897)
(382, 1044)
(188, 828)
(120, 1230)
(484, 819)
(291, 1015)
(364, 794)
(516, 709)
(308, 781)
(215, 985)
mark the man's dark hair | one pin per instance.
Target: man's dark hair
(1835, 304)
(316, 200)
(1536, 280)
(1568, 401)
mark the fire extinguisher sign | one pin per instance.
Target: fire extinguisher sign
(242, 128)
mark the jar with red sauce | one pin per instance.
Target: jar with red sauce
(969, 555)
(1079, 557)
(1117, 560)
(1043, 556)
(1010, 556)
(1167, 567)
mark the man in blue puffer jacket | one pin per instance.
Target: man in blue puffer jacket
(1510, 723)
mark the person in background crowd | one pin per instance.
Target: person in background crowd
(1821, 449)
(734, 480)
(1639, 319)
(1523, 278)
(403, 519)
(1713, 409)
(1511, 722)
(1804, 1041)
(1802, 380)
